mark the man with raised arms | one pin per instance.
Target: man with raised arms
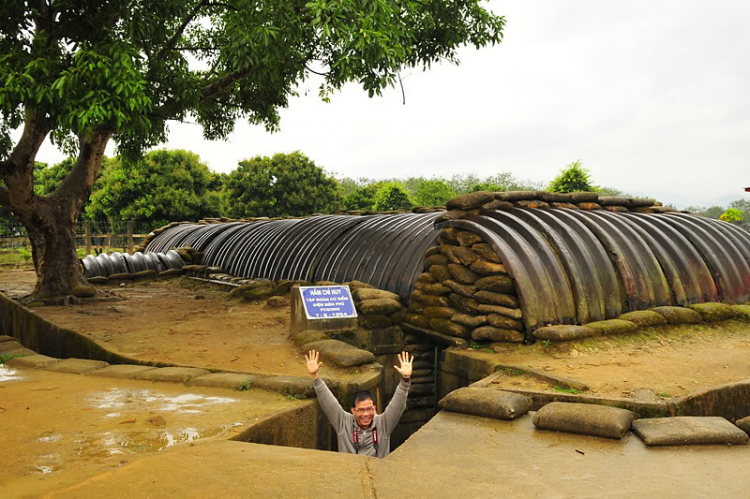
(363, 431)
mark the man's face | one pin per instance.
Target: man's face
(364, 412)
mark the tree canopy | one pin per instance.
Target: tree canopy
(164, 186)
(434, 192)
(84, 72)
(572, 178)
(732, 215)
(392, 196)
(283, 185)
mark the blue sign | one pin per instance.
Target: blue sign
(327, 302)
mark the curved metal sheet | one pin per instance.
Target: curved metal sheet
(683, 265)
(721, 257)
(639, 271)
(118, 262)
(106, 264)
(129, 263)
(536, 294)
(386, 251)
(139, 262)
(591, 274)
(91, 267)
(549, 264)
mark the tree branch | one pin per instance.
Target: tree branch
(190, 48)
(175, 38)
(223, 84)
(75, 189)
(317, 73)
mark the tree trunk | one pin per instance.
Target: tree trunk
(51, 220)
(53, 241)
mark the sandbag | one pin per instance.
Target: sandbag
(496, 334)
(486, 402)
(713, 312)
(466, 238)
(678, 315)
(612, 326)
(644, 318)
(374, 294)
(585, 419)
(564, 333)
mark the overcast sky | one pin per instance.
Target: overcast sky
(652, 96)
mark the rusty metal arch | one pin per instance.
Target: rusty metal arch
(719, 254)
(683, 265)
(536, 294)
(591, 274)
(377, 251)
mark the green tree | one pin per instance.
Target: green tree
(572, 178)
(732, 215)
(164, 186)
(433, 192)
(84, 72)
(362, 199)
(743, 206)
(489, 187)
(284, 185)
(392, 196)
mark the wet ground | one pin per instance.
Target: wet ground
(477, 457)
(83, 436)
(58, 429)
(668, 361)
(178, 321)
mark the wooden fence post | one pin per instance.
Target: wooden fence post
(130, 236)
(87, 236)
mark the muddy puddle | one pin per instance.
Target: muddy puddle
(64, 426)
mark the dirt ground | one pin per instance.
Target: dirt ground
(180, 322)
(176, 321)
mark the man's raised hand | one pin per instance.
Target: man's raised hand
(406, 367)
(313, 365)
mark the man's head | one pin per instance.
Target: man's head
(363, 408)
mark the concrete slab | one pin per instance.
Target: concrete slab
(76, 366)
(508, 459)
(689, 430)
(33, 361)
(287, 384)
(9, 345)
(234, 469)
(226, 380)
(125, 371)
(172, 374)
(20, 350)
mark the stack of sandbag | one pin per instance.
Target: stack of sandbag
(477, 202)
(422, 390)
(376, 308)
(466, 291)
(189, 255)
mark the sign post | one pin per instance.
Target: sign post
(323, 308)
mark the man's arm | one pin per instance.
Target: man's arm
(397, 405)
(327, 401)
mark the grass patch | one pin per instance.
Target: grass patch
(572, 391)
(15, 256)
(8, 356)
(664, 395)
(294, 396)
(245, 386)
